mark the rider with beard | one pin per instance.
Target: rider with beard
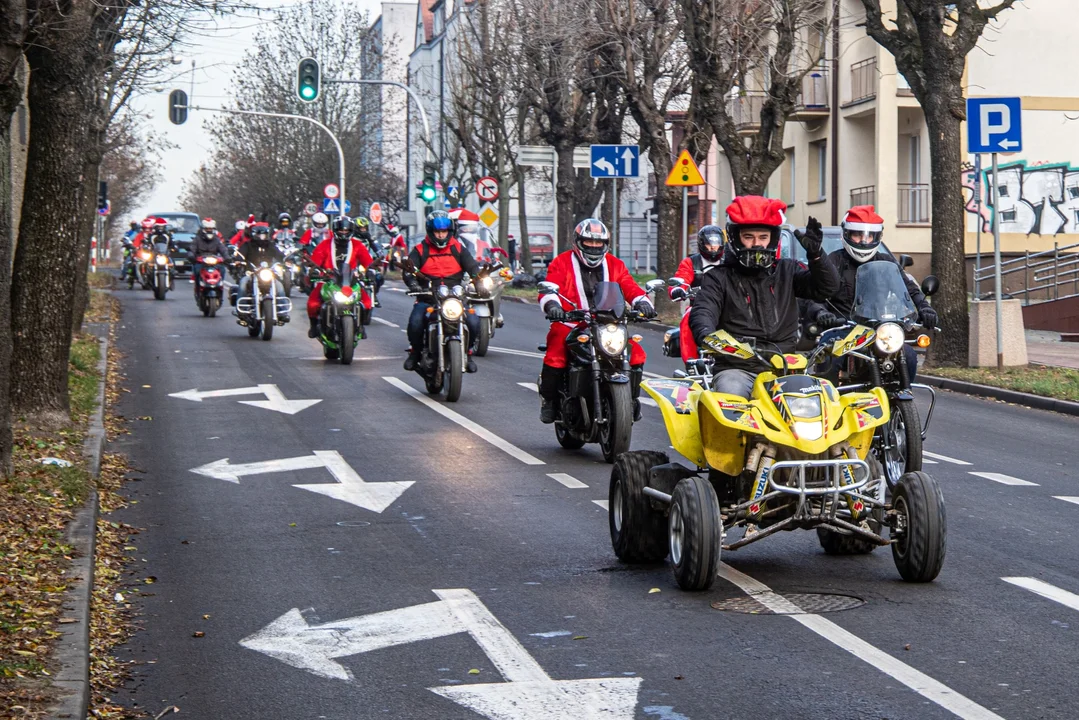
(755, 293)
(207, 242)
(361, 230)
(691, 271)
(257, 249)
(328, 255)
(442, 260)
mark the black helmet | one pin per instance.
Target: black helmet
(710, 241)
(591, 231)
(260, 233)
(342, 228)
(439, 221)
(284, 220)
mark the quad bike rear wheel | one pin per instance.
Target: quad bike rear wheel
(638, 531)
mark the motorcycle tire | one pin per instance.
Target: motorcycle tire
(347, 341)
(904, 437)
(214, 304)
(617, 407)
(919, 550)
(455, 370)
(567, 438)
(160, 291)
(286, 281)
(267, 322)
(204, 305)
(433, 383)
(484, 340)
(638, 531)
(330, 353)
(365, 316)
(131, 283)
(694, 532)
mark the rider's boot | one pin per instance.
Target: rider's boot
(412, 360)
(636, 373)
(550, 381)
(470, 364)
(312, 332)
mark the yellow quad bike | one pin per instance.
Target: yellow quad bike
(795, 455)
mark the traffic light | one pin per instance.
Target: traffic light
(307, 79)
(102, 195)
(428, 193)
(178, 107)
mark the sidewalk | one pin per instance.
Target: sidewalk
(1045, 348)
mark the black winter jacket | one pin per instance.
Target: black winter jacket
(201, 246)
(843, 301)
(761, 305)
(257, 254)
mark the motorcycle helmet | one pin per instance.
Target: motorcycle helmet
(161, 226)
(342, 229)
(753, 213)
(134, 225)
(439, 228)
(862, 230)
(361, 228)
(240, 225)
(710, 241)
(284, 220)
(591, 241)
(148, 225)
(208, 228)
(319, 220)
(260, 233)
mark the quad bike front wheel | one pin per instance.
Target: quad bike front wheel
(920, 529)
(694, 532)
(638, 531)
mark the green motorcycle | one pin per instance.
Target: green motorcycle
(343, 299)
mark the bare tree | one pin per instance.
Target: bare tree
(930, 41)
(751, 55)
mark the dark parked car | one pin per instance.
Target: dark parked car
(184, 226)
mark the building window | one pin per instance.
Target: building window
(1007, 215)
(818, 169)
(1073, 192)
(788, 178)
(1003, 190)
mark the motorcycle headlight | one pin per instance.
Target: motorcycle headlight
(277, 270)
(144, 255)
(265, 275)
(890, 337)
(612, 339)
(161, 260)
(803, 407)
(443, 291)
(487, 283)
(452, 309)
(211, 261)
(344, 299)
(458, 291)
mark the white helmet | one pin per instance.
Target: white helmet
(320, 220)
(209, 224)
(862, 230)
(240, 225)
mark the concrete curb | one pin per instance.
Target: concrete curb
(1037, 402)
(72, 649)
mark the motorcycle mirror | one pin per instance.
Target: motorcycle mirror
(930, 285)
(549, 287)
(674, 282)
(653, 285)
(906, 261)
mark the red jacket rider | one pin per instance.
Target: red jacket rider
(326, 255)
(692, 269)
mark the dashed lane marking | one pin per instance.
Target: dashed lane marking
(1050, 592)
(380, 321)
(602, 503)
(945, 458)
(529, 386)
(475, 428)
(567, 480)
(1003, 479)
(1068, 498)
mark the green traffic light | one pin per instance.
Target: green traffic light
(308, 92)
(428, 194)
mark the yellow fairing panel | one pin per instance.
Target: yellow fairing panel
(725, 419)
(677, 401)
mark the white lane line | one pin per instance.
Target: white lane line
(380, 321)
(1050, 592)
(476, 429)
(917, 681)
(644, 401)
(1003, 479)
(926, 461)
(1067, 498)
(648, 401)
(567, 480)
(945, 458)
(602, 503)
(511, 351)
(395, 289)
(529, 386)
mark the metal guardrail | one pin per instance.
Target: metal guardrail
(1044, 271)
(913, 203)
(866, 195)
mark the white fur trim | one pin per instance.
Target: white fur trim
(548, 298)
(863, 227)
(582, 298)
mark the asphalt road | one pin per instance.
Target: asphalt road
(502, 538)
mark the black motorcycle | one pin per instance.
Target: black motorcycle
(445, 348)
(264, 305)
(161, 270)
(596, 400)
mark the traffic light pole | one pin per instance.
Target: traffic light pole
(258, 113)
(411, 93)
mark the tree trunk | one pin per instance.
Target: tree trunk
(87, 223)
(522, 217)
(47, 250)
(503, 212)
(6, 223)
(949, 259)
(567, 182)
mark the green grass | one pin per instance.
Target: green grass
(82, 374)
(1055, 382)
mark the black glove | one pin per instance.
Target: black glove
(645, 308)
(413, 286)
(678, 293)
(928, 317)
(812, 239)
(828, 319)
(555, 313)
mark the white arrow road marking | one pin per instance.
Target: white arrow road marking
(917, 681)
(529, 693)
(945, 458)
(1050, 592)
(567, 480)
(475, 428)
(1068, 498)
(380, 321)
(605, 504)
(529, 386)
(350, 487)
(1002, 479)
(275, 399)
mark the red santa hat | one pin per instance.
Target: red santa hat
(863, 218)
(754, 210)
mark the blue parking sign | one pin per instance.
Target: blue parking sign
(994, 125)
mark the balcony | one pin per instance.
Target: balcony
(865, 195)
(863, 81)
(812, 102)
(745, 111)
(913, 203)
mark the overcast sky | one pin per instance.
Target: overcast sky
(215, 57)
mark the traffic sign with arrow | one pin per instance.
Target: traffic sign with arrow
(615, 161)
(350, 487)
(487, 188)
(275, 399)
(529, 693)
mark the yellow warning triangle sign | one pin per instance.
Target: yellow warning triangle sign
(685, 172)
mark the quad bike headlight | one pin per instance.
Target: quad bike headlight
(890, 337)
(612, 339)
(804, 407)
(161, 260)
(809, 430)
(265, 275)
(452, 309)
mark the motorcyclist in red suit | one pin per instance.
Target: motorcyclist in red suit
(691, 271)
(327, 255)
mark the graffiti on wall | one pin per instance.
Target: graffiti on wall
(1035, 198)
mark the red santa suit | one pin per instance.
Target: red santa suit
(691, 271)
(565, 271)
(310, 238)
(323, 257)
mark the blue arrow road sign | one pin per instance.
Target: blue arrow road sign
(348, 207)
(330, 206)
(994, 125)
(615, 161)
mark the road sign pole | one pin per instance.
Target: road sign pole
(615, 239)
(685, 221)
(554, 198)
(978, 235)
(996, 259)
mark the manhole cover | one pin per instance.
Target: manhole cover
(814, 603)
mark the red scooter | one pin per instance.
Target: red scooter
(210, 285)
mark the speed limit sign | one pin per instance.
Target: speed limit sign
(331, 191)
(310, 209)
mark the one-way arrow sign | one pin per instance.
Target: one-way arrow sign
(275, 399)
(350, 487)
(529, 693)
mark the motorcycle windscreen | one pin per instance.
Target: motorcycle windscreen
(162, 248)
(608, 298)
(345, 271)
(881, 294)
